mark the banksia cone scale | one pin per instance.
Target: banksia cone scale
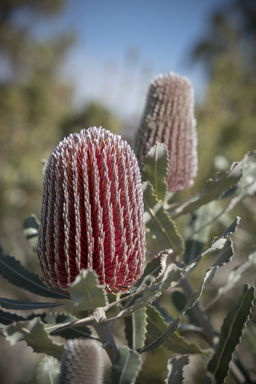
(169, 118)
(81, 363)
(92, 212)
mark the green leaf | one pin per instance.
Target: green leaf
(234, 276)
(225, 255)
(87, 292)
(213, 189)
(12, 270)
(24, 305)
(197, 232)
(35, 335)
(126, 367)
(135, 328)
(156, 166)
(248, 181)
(231, 332)
(179, 300)
(250, 337)
(7, 318)
(159, 222)
(52, 319)
(30, 229)
(48, 371)
(175, 369)
(220, 245)
(174, 342)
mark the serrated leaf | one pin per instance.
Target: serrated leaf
(219, 245)
(234, 276)
(30, 229)
(225, 256)
(48, 370)
(248, 181)
(179, 300)
(231, 332)
(12, 270)
(35, 335)
(135, 328)
(160, 223)
(250, 337)
(24, 305)
(156, 166)
(147, 297)
(126, 367)
(52, 319)
(172, 274)
(213, 189)
(7, 318)
(175, 369)
(87, 292)
(174, 342)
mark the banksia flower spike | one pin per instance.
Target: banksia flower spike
(169, 118)
(81, 363)
(92, 212)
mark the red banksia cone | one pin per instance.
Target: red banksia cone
(92, 212)
(169, 118)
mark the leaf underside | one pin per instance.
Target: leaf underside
(126, 367)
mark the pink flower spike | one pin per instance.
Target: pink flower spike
(92, 212)
(169, 118)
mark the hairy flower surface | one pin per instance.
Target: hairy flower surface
(169, 118)
(92, 212)
(81, 363)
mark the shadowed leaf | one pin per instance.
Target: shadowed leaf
(7, 318)
(24, 305)
(12, 270)
(126, 366)
(231, 332)
(174, 342)
(175, 369)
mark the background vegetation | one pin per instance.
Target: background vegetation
(37, 111)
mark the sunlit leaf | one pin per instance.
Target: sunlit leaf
(35, 335)
(160, 223)
(156, 166)
(87, 292)
(135, 328)
(48, 370)
(30, 228)
(213, 189)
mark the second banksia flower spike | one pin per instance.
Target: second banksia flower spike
(92, 212)
(169, 118)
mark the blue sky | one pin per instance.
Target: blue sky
(122, 44)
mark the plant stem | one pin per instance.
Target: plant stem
(104, 332)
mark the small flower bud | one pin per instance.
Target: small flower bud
(169, 118)
(92, 212)
(81, 363)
